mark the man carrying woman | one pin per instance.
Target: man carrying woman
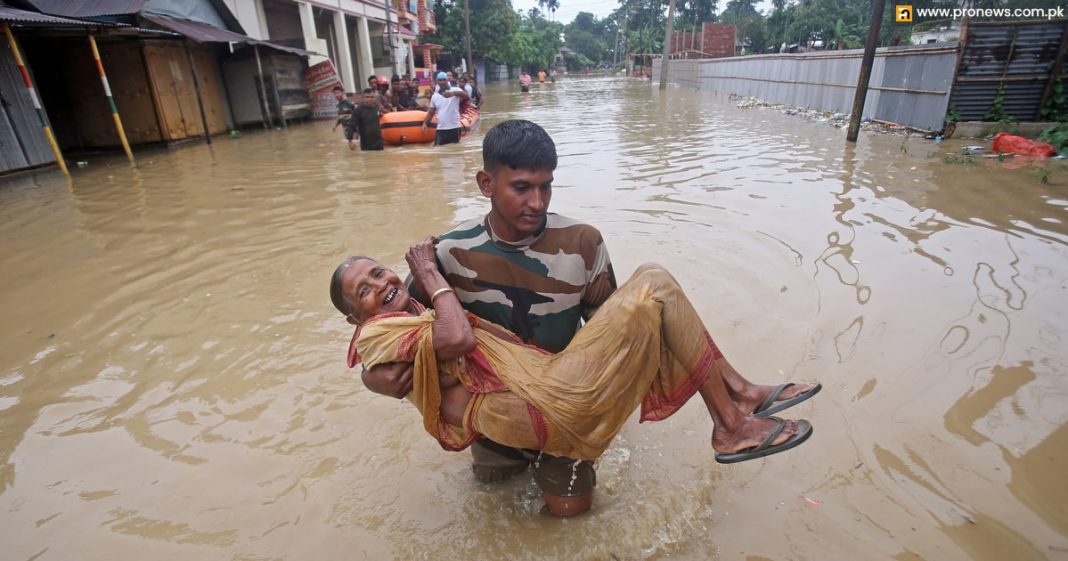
(539, 275)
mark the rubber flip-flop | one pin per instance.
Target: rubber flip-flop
(772, 405)
(766, 448)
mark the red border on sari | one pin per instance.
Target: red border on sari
(656, 409)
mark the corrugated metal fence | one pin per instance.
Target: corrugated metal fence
(22, 141)
(1018, 57)
(909, 85)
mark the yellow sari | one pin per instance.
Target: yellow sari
(646, 346)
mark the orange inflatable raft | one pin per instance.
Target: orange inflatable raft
(405, 127)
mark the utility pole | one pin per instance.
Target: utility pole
(389, 33)
(467, 31)
(865, 69)
(667, 44)
(615, 44)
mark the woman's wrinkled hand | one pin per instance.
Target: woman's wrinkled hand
(421, 257)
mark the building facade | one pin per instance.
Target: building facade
(362, 38)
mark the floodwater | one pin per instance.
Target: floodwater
(173, 380)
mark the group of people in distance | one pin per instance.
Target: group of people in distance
(512, 339)
(525, 79)
(448, 97)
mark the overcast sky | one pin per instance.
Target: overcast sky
(600, 8)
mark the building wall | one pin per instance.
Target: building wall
(171, 79)
(909, 85)
(22, 141)
(251, 15)
(242, 83)
(133, 97)
(283, 20)
(375, 10)
(74, 97)
(1023, 78)
(717, 39)
(324, 29)
(682, 41)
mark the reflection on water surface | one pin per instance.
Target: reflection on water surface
(172, 380)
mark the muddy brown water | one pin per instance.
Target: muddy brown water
(173, 386)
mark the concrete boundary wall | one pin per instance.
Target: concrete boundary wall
(909, 85)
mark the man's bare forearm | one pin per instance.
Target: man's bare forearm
(393, 379)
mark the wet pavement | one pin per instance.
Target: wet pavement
(173, 386)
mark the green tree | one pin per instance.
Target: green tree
(586, 35)
(551, 5)
(534, 43)
(491, 30)
(750, 24)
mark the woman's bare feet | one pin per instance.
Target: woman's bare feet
(750, 433)
(753, 395)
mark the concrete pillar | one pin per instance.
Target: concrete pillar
(344, 59)
(366, 63)
(411, 58)
(311, 38)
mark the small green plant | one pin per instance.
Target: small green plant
(1041, 175)
(1056, 106)
(1057, 135)
(952, 116)
(961, 159)
(997, 112)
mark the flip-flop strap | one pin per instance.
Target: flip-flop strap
(780, 425)
(772, 397)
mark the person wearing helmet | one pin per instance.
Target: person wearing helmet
(381, 87)
(445, 103)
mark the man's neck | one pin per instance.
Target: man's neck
(511, 238)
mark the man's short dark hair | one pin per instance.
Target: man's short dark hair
(368, 90)
(518, 144)
(339, 89)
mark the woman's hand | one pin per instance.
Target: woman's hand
(422, 258)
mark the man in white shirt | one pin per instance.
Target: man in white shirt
(446, 105)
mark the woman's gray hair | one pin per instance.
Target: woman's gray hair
(336, 295)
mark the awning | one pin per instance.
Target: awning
(14, 15)
(204, 33)
(88, 8)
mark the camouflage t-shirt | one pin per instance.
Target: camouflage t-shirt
(541, 288)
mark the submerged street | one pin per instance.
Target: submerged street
(173, 381)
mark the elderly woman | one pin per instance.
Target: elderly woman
(645, 347)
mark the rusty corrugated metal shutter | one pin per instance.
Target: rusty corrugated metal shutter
(1016, 57)
(22, 142)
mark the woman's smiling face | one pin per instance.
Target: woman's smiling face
(371, 289)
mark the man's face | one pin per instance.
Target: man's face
(339, 95)
(443, 84)
(519, 199)
(369, 99)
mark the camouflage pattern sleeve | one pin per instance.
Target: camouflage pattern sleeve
(600, 279)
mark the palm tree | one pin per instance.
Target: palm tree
(551, 5)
